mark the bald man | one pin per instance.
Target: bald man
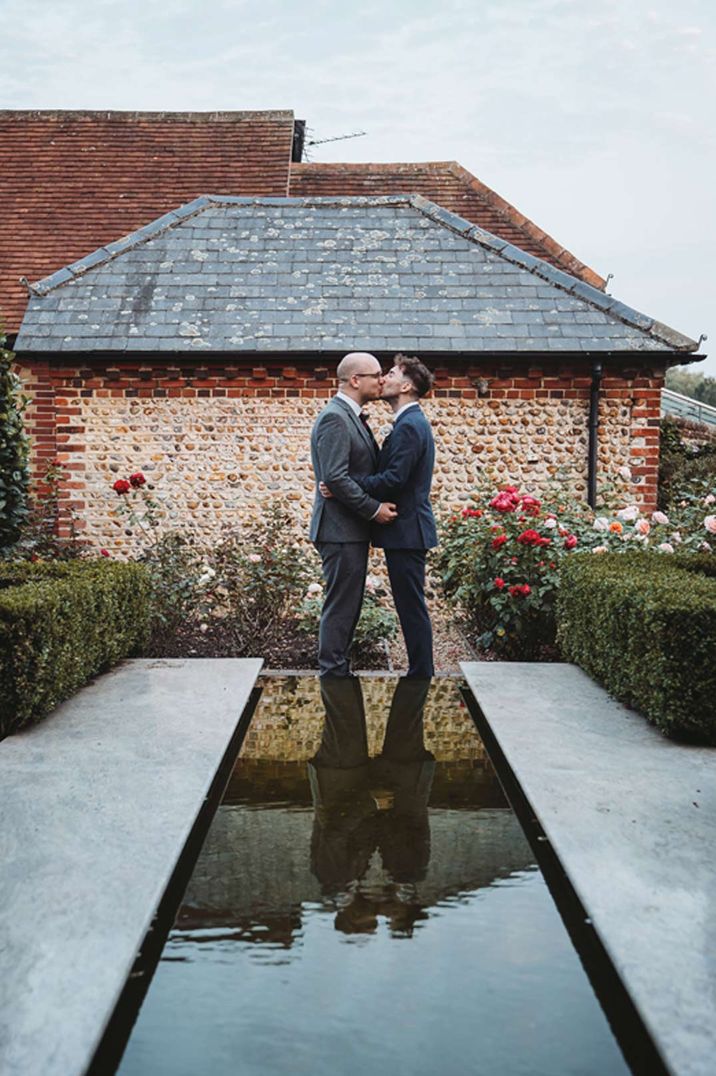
(343, 448)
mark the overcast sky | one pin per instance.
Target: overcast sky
(596, 118)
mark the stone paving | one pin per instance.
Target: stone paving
(631, 817)
(98, 801)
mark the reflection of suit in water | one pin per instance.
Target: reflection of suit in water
(343, 830)
(348, 823)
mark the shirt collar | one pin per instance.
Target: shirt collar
(356, 408)
(413, 403)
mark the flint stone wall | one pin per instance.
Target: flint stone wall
(217, 443)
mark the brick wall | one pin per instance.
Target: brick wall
(215, 440)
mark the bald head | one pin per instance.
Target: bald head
(359, 376)
(357, 362)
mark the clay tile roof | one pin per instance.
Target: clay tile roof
(450, 185)
(73, 181)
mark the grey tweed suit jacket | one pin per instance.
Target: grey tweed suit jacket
(341, 450)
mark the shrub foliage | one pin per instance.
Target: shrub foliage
(645, 628)
(61, 624)
(14, 471)
(683, 467)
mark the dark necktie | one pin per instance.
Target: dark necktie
(363, 416)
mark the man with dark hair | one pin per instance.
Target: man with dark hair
(404, 477)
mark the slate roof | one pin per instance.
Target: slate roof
(225, 274)
(72, 181)
(453, 188)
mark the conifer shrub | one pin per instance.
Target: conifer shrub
(644, 627)
(14, 447)
(60, 625)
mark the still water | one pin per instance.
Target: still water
(365, 900)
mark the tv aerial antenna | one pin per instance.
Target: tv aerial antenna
(335, 138)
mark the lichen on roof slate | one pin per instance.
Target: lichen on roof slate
(226, 274)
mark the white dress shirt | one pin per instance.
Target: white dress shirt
(413, 403)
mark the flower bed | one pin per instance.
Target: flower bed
(501, 557)
(645, 628)
(60, 625)
(255, 593)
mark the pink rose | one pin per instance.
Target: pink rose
(642, 526)
(710, 524)
(659, 517)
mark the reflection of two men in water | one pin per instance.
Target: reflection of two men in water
(365, 804)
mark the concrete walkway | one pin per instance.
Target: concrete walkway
(631, 817)
(97, 804)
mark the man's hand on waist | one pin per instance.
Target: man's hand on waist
(386, 513)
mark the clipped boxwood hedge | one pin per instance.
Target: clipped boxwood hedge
(644, 626)
(60, 624)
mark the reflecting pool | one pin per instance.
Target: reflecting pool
(365, 899)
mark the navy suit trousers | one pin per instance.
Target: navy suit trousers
(406, 569)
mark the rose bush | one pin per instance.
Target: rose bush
(377, 623)
(499, 558)
(260, 578)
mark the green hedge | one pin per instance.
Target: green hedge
(60, 625)
(644, 626)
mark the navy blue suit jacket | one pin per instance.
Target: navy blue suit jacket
(404, 476)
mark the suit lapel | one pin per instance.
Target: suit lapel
(365, 434)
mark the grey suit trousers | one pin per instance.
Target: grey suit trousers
(344, 570)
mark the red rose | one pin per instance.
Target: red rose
(137, 479)
(570, 541)
(104, 552)
(499, 583)
(531, 505)
(468, 513)
(519, 590)
(121, 486)
(506, 500)
(529, 537)
(498, 541)
(544, 541)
